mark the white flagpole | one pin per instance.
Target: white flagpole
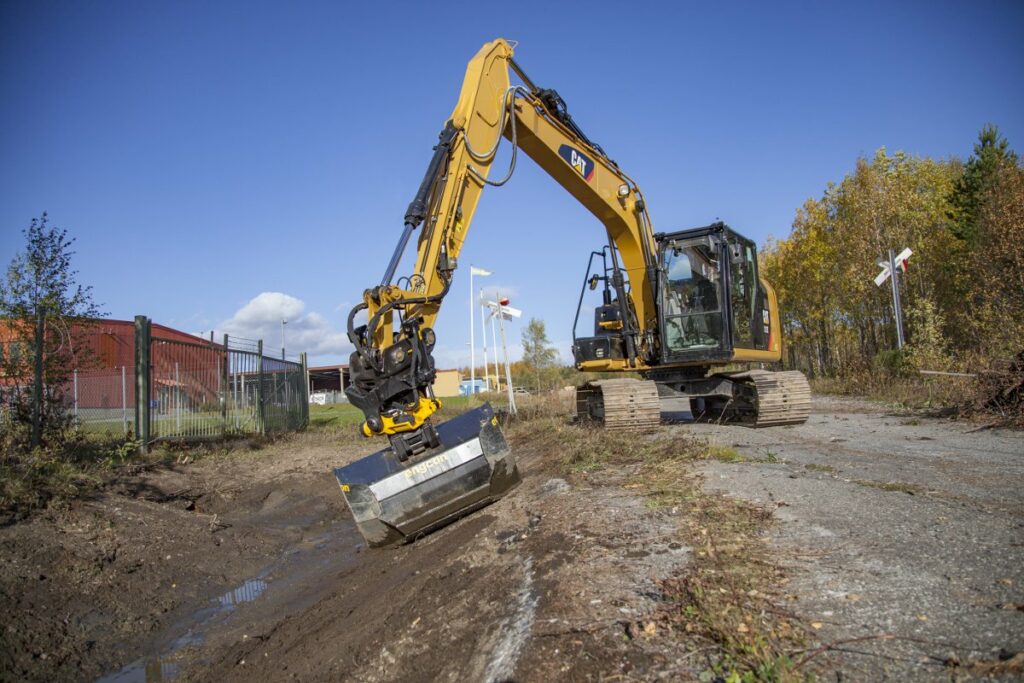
(473, 270)
(494, 345)
(483, 332)
(472, 346)
(508, 371)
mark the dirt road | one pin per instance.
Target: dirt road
(246, 566)
(905, 534)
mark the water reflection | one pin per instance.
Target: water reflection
(156, 669)
(247, 592)
(143, 671)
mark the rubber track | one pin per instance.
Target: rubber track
(629, 404)
(783, 398)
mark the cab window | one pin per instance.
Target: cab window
(692, 296)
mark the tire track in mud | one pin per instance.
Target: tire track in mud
(514, 630)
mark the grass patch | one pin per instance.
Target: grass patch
(334, 416)
(346, 415)
(916, 392)
(725, 596)
(815, 467)
(32, 480)
(898, 486)
(725, 454)
(82, 463)
(732, 455)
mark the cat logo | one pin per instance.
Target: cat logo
(583, 164)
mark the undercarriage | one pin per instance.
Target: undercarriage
(759, 398)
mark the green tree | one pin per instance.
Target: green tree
(41, 282)
(834, 317)
(991, 153)
(538, 354)
(997, 266)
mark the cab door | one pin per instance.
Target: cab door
(747, 304)
(692, 299)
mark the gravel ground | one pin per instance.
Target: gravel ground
(903, 534)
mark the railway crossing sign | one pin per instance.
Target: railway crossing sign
(889, 270)
(502, 308)
(901, 263)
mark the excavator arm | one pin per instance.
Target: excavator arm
(392, 369)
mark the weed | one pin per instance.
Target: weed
(731, 455)
(913, 392)
(815, 467)
(725, 454)
(723, 596)
(119, 454)
(34, 479)
(900, 487)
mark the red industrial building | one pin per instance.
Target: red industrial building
(105, 358)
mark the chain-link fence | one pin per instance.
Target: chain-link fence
(324, 398)
(103, 400)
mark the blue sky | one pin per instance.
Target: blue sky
(207, 153)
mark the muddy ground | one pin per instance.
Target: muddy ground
(903, 532)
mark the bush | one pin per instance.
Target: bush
(894, 363)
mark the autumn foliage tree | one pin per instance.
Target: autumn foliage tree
(538, 354)
(40, 285)
(963, 291)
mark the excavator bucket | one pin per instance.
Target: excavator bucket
(394, 501)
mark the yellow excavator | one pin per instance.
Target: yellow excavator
(674, 307)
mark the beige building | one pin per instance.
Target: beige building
(447, 383)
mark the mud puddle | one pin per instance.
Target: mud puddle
(288, 585)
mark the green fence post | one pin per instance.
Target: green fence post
(261, 425)
(142, 375)
(305, 389)
(224, 390)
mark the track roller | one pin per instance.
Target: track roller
(619, 404)
(778, 398)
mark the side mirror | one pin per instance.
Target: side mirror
(593, 282)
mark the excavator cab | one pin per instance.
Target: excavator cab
(692, 297)
(712, 303)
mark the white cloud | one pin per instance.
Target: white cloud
(311, 332)
(448, 357)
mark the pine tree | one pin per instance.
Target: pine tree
(991, 152)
